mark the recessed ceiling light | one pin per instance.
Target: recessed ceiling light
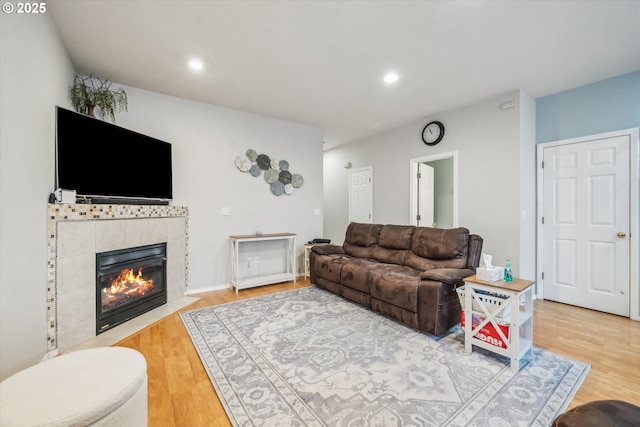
(391, 78)
(195, 64)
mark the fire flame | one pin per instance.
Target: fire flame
(127, 284)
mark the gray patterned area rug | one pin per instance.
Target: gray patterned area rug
(307, 357)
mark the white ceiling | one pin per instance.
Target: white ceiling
(322, 62)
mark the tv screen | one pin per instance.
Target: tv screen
(100, 160)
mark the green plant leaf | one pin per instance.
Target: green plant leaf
(86, 92)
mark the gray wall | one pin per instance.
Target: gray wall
(605, 106)
(205, 140)
(495, 187)
(34, 74)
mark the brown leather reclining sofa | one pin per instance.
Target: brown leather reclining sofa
(404, 272)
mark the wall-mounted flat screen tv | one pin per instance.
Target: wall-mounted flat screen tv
(106, 163)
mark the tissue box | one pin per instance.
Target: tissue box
(492, 274)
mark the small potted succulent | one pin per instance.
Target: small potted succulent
(88, 93)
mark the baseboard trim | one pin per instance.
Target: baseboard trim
(208, 289)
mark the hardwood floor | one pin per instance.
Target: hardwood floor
(181, 394)
(609, 343)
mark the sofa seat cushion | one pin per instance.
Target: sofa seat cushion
(329, 267)
(395, 284)
(355, 274)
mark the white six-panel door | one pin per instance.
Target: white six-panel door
(360, 195)
(586, 224)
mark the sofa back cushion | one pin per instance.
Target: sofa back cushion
(438, 248)
(363, 234)
(396, 236)
(394, 244)
(361, 239)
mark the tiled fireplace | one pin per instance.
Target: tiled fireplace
(129, 282)
(78, 232)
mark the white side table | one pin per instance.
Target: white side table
(307, 250)
(288, 255)
(488, 308)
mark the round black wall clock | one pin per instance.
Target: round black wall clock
(433, 133)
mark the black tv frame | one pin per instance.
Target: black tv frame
(106, 163)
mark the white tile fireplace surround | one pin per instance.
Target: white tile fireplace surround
(77, 232)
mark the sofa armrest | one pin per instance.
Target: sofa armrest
(327, 249)
(451, 276)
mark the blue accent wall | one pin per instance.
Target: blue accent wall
(605, 106)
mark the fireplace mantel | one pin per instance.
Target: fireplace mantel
(77, 232)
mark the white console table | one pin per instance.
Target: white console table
(289, 256)
(507, 307)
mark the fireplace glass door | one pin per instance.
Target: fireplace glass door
(129, 282)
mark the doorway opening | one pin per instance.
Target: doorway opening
(434, 190)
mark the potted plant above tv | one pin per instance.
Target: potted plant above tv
(89, 92)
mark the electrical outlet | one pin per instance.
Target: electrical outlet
(256, 260)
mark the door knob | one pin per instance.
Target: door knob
(621, 234)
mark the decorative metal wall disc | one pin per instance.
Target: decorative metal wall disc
(277, 188)
(285, 177)
(297, 180)
(255, 170)
(243, 163)
(276, 172)
(271, 175)
(263, 161)
(252, 155)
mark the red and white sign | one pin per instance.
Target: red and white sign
(488, 332)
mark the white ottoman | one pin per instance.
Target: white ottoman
(104, 386)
